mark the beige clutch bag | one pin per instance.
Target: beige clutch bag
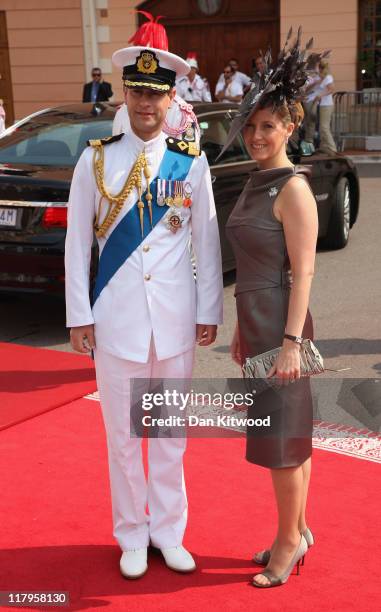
(311, 362)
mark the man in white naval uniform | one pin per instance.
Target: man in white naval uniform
(149, 311)
(192, 87)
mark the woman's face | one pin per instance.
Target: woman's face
(266, 135)
(322, 70)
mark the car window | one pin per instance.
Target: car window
(51, 144)
(214, 131)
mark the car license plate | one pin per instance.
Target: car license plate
(8, 217)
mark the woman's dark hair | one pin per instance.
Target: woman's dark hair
(291, 113)
(288, 112)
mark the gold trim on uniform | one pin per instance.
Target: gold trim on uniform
(193, 149)
(182, 145)
(104, 141)
(115, 202)
(157, 86)
(188, 148)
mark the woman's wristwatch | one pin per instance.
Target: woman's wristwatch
(296, 339)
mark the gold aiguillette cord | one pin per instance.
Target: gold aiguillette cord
(115, 202)
(140, 205)
(148, 196)
(147, 175)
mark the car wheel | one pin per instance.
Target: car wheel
(340, 219)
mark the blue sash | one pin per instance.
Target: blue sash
(127, 235)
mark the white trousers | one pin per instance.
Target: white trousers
(164, 492)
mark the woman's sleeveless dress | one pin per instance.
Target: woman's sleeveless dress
(262, 296)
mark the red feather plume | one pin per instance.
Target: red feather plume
(150, 33)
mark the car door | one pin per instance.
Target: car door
(229, 174)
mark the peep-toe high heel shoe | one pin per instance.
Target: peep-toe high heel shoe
(282, 579)
(262, 558)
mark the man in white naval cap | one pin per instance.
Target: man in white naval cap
(148, 194)
(180, 120)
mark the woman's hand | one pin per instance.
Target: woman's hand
(287, 364)
(235, 348)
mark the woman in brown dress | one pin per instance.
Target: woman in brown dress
(273, 228)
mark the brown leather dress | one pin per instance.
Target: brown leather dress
(262, 296)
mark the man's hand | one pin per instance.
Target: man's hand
(82, 338)
(205, 334)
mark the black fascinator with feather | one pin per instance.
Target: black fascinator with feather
(281, 83)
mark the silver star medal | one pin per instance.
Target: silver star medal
(273, 191)
(173, 219)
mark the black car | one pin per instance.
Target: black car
(37, 158)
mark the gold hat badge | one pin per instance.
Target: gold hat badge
(147, 63)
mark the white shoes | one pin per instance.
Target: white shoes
(133, 563)
(178, 559)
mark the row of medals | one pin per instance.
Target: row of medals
(175, 195)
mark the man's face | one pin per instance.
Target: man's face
(259, 64)
(228, 73)
(147, 109)
(96, 75)
(234, 65)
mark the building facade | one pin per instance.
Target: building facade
(48, 47)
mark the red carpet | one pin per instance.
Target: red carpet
(33, 381)
(56, 525)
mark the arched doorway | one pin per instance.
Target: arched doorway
(218, 30)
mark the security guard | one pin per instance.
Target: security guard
(147, 193)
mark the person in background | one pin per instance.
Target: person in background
(229, 90)
(97, 90)
(2, 117)
(310, 102)
(180, 121)
(242, 78)
(193, 88)
(259, 65)
(323, 95)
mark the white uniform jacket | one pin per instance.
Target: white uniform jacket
(154, 291)
(193, 91)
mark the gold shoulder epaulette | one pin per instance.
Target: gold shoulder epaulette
(183, 146)
(104, 141)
